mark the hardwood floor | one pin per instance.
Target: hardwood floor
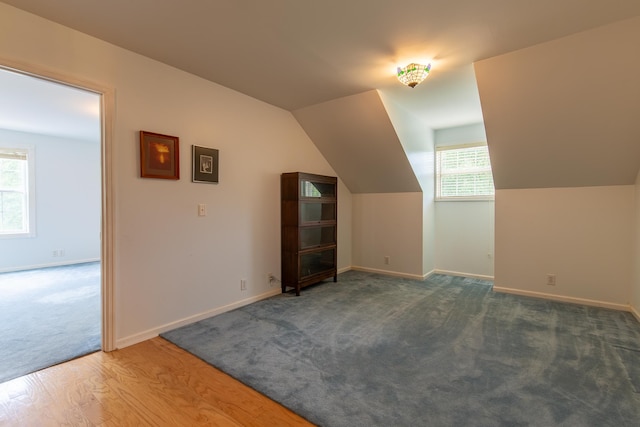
(153, 383)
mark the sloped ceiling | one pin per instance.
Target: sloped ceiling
(356, 137)
(297, 53)
(565, 113)
(541, 104)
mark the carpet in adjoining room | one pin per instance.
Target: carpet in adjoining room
(372, 350)
(48, 316)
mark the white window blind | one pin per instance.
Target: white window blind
(14, 191)
(463, 173)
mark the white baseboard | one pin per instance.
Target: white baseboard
(154, 332)
(344, 269)
(426, 276)
(561, 298)
(460, 274)
(49, 264)
(389, 273)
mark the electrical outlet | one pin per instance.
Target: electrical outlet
(243, 284)
(270, 279)
(387, 260)
(551, 279)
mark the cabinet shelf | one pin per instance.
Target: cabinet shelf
(309, 229)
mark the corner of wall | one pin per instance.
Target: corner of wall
(635, 286)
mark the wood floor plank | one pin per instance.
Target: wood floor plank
(204, 382)
(153, 383)
(163, 377)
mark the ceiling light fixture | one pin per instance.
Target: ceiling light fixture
(413, 74)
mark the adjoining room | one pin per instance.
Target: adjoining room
(50, 215)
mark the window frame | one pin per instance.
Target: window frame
(437, 180)
(30, 189)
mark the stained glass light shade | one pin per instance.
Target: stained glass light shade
(413, 74)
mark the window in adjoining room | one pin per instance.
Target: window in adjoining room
(17, 210)
(464, 173)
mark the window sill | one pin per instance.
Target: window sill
(17, 235)
(466, 199)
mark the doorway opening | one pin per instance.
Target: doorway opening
(55, 220)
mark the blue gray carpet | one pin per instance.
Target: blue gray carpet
(378, 351)
(48, 316)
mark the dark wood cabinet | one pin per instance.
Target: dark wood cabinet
(309, 224)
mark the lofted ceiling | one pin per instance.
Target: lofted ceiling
(302, 54)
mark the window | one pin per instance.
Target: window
(463, 173)
(16, 192)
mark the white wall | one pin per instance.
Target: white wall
(582, 235)
(67, 190)
(417, 140)
(172, 266)
(344, 227)
(457, 135)
(418, 143)
(635, 287)
(388, 224)
(429, 229)
(464, 235)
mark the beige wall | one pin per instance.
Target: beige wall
(172, 266)
(388, 224)
(582, 235)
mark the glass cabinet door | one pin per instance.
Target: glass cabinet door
(316, 262)
(317, 211)
(317, 189)
(317, 236)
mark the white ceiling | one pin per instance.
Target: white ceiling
(30, 104)
(297, 53)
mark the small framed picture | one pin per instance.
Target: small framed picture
(205, 164)
(159, 156)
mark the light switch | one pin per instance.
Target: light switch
(202, 209)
